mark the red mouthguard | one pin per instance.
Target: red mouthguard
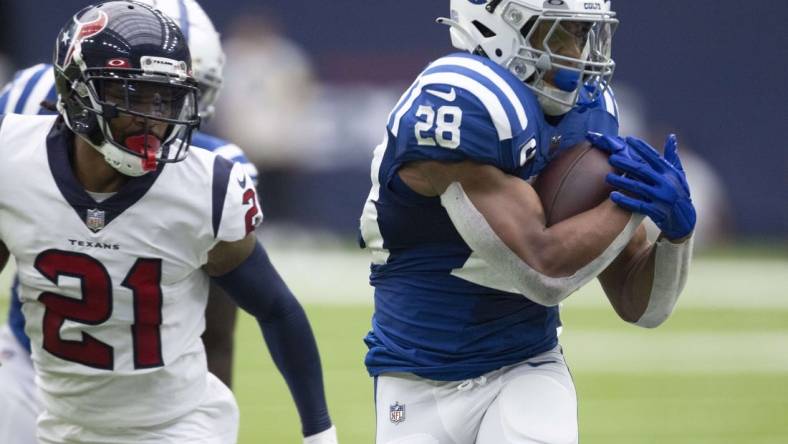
(148, 145)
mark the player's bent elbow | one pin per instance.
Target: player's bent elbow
(545, 256)
(628, 315)
(545, 291)
(552, 268)
(651, 322)
(648, 325)
(660, 308)
(548, 300)
(627, 306)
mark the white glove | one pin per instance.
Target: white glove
(328, 436)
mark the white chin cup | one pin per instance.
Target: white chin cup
(125, 163)
(549, 99)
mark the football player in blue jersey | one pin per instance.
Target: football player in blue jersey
(467, 275)
(33, 91)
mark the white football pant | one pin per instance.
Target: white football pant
(215, 421)
(527, 403)
(19, 406)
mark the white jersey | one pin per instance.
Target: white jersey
(113, 292)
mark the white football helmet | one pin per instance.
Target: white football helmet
(204, 44)
(554, 46)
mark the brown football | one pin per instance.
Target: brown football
(573, 182)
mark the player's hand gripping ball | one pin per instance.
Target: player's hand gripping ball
(573, 182)
(655, 184)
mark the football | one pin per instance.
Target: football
(573, 182)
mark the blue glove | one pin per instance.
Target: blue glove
(656, 185)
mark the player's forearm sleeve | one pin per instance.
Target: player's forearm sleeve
(671, 267)
(537, 287)
(258, 289)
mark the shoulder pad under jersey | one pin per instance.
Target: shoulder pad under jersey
(227, 150)
(465, 107)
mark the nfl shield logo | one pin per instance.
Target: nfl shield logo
(397, 413)
(95, 219)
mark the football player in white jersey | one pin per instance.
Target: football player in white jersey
(468, 276)
(117, 232)
(33, 92)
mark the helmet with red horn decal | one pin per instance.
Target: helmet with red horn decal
(124, 83)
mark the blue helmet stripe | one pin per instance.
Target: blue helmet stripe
(20, 104)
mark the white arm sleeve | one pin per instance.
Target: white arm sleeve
(671, 266)
(544, 290)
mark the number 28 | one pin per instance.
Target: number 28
(446, 128)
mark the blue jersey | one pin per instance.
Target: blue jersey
(440, 311)
(24, 94)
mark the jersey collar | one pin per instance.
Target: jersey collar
(60, 143)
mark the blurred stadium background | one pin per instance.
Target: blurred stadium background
(308, 85)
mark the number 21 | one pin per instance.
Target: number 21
(95, 307)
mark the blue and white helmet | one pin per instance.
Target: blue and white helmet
(554, 46)
(204, 44)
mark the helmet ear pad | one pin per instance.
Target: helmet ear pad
(86, 123)
(78, 117)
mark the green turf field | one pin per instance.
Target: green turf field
(716, 372)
